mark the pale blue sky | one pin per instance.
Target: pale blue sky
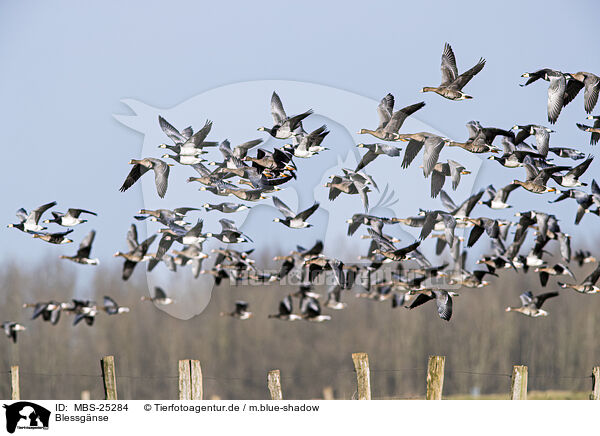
(66, 65)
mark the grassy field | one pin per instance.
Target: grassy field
(534, 395)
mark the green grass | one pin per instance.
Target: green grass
(533, 395)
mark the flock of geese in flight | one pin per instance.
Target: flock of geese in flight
(266, 172)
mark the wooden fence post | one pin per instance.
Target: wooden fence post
(185, 380)
(109, 376)
(190, 380)
(197, 389)
(328, 393)
(596, 383)
(85, 395)
(518, 389)
(363, 375)
(435, 377)
(14, 381)
(274, 382)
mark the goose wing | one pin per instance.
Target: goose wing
(399, 116)
(308, 212)
(241, 150)
(159, 293)
(431, 154)
(283, 208)
(443, 301)
(466, 77)
(448, 68)
(85, 247)
(161, 176)
(132, 238)
(412, 149)
(593, 277)
(134, 175)
(171, 131)
(556, 92)
(277, 111)
(438, 178)
(198, 138)
(366, 159)
(538, 300)
(384, 110)
(36, 214)
(76, 212)
(590, 94)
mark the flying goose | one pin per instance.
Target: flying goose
(160, 297)
(285, 310)
(83, 253)
(582, 257)
(69, 219)
(541, 134)
(186, 145)
(293, 220)
(167, 217)
(537, 179)
(490, 226)
(390, 121)
(442, 298)
(566, 152)
(339, 184)
(556, 270)
(29, 222)
(284, 126)
(311, 310)
(174, 134)
(55, 238)
(594, 130)
(240, 312)
(229, 233)
(532, 306)
(588, 286)
(497, 199)
(11, 329)
(309, 145)
(112, 308)
(514, 157)
(556, 89)
(579, 80)
(571, 179)
(334, 301)
(225, 207)
(141, 166)
(375, 150)
(137, 252)
(49, 311)
(441, 171)
(432, 145)
(453, 83)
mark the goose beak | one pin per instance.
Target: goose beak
(551, 189)
(494, 150)
(171, 165)
(525, 75)
(465, 172)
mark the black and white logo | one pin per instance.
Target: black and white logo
(26, 415)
